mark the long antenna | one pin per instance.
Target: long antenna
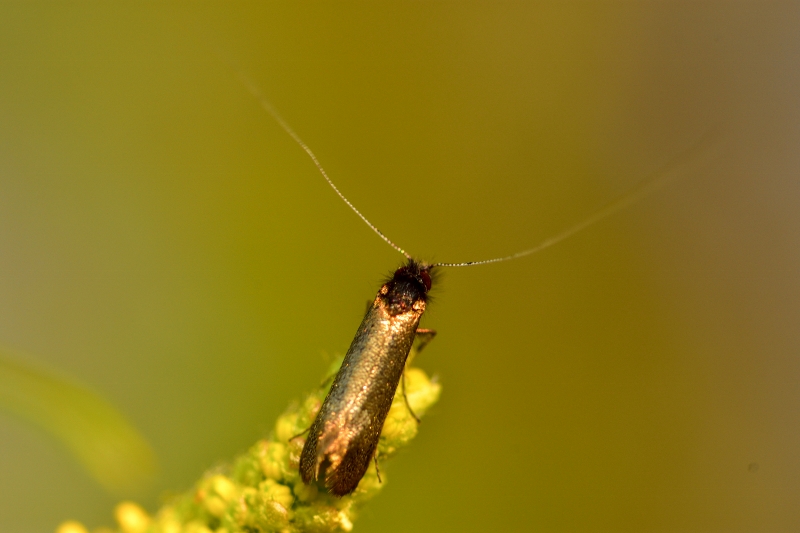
(657, 180)
(253, 88)
(654, 182)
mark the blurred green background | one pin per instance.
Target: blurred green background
(163, 242)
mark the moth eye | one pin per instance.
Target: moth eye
(426, 279)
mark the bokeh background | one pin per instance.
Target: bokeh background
(164, 243)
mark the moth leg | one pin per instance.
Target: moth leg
(408, 405)
(424, 336)
(327, 380)
(300, 434)
(377, 470)
(421, 339)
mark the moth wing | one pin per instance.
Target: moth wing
(354, 464)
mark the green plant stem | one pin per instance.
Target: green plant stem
(261, 490)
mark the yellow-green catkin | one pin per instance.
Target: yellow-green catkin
(261, 491)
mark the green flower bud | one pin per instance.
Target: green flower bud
(273, 458)
(303, 492)
(131, 518)
(71, 526)
(274, 491)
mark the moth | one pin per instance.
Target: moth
(342, 440)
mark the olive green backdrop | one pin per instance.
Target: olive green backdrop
(165, 243)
